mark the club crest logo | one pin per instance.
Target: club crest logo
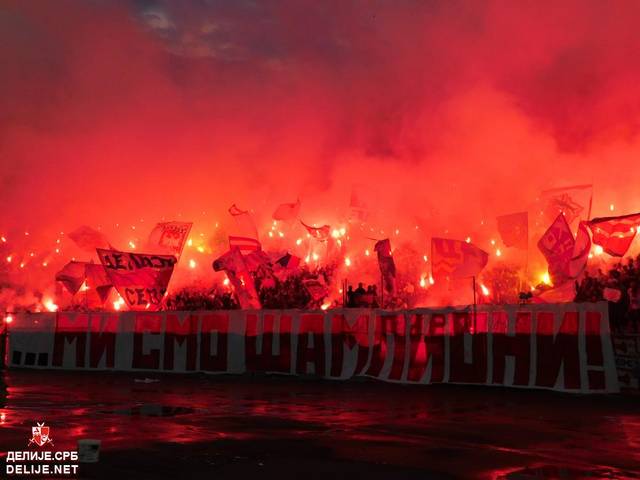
(40, 435)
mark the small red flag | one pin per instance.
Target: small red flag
(319, 233)
(514, 229)
(456, 259)
(615, 234)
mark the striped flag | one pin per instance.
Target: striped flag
(244, 244)
(456, 259)
(615, 234)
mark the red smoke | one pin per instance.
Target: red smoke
(450, 113)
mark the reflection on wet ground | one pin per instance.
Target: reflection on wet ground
(279, 427)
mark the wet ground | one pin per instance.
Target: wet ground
(172, 426)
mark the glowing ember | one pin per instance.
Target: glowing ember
(498, 252)
(347, 261)
(192, 263)
(598, 250)
(118, 304)
(468, 240)
(545, 278)
(325, 305)
(131, 244)
(8, 319)
(49, 305)
(485, 290)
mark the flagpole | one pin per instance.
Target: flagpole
(474, 304)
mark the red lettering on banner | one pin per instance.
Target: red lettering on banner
(385, 326)
(218, 324)
(398, 326)
(595, 356)
(311, 344)
(179, 332)
(103, 340)
(516, 344)
(260, 354)
(556, 351)
(146, 324)
(468, 354)
(427, 346)
(349, 337)
(70, 329)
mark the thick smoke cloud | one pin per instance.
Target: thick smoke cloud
(449, 111)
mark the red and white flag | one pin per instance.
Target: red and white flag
(557, 245)
(574, 202)
(581, 251)
(245, 224)
(456, 259)
(615, 234)
(141, 279)
(316, 287)
(88, 239)
(98, 281)
(287, 211)
(244, 244)
(514, 229)
(72, 276)
(169, 237)
(319, 233)
(233, 264)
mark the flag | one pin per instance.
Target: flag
(244, 244)
(233, 264)
(88, 239)
(581, 251)
(319, 233)
(257, 259)
(245, 225)
(573, 201)
(317, 288)
(514, 229)
(563, 294)
(615, 234)
(234, 210)
(386, 264)
(358, 205)
(287, 211)
(72, 276)
(557, 245)
(456, 259)
(288, 261)
(141, 279)
(98, 280)
(169, 237)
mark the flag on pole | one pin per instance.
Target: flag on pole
(169, 237)
(581, 251)
(514, 229)
(88, 239)
(615, 234)
(245, 225)
(287, 211)
(98, 281)
(233, 264)
(72, 276)
(574, 202)
(557, 245)
(319, 233)
(456, 259)
(244, 244)
(141, 279)
(386, 264)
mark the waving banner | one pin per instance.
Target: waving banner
(557, 245)
(574, 202)
(141, 279)
(234, 265)
(456, 259)
(514, 229)
(615, 234)
(287, 211)
(319, 233)
(386, 264)
(169, 237)
(559, 347)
